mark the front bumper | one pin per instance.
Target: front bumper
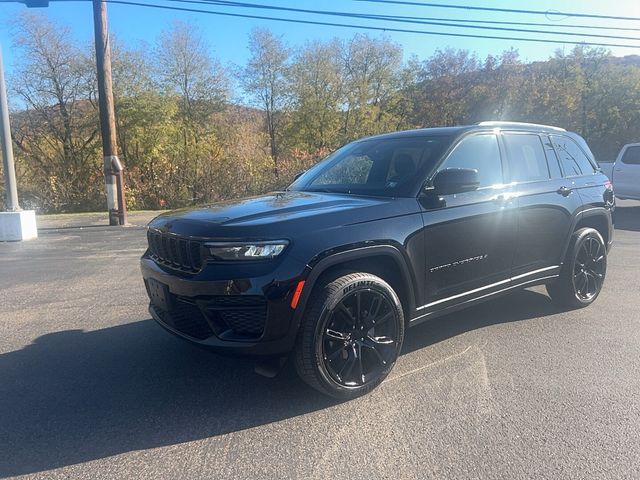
(232, 309)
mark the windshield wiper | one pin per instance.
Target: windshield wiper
(323, 190)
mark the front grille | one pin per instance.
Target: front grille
(187, 318)
(174, 251)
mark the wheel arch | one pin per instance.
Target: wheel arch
(385, 261)
(596, 218)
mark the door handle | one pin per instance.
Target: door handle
(502, 199)
(564, 191)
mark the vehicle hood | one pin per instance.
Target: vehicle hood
(279, 213)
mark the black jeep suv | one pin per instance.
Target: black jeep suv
(385, 233)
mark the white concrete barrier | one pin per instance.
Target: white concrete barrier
(16, 226)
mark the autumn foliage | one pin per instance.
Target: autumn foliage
(192, 131)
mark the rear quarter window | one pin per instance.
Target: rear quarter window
(573, 160)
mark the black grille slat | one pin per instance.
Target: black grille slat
(175, 251)
(182, 253)
(194, 249)
(164, 248)
(158, 243)
(153, 243)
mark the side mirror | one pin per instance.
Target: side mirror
(455, 180)
(298, 175)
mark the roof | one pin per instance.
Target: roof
(421, 132)
(533, 126)
(454, 131)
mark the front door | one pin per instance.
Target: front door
(470, 237)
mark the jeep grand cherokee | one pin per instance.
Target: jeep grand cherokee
(387, 232)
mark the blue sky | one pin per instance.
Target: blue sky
(228, 36)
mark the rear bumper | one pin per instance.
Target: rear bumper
(250, 315)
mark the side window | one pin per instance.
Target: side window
(527, 161)
(573, 160)
(632, 155)
(481, 153)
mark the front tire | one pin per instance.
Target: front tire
(583, 271)
(351, 335)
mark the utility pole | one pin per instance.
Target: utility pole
(15, 223)
(10, 188)
(113, 174)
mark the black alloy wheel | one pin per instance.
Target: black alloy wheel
(589, 268)
(351, 335)
(583, 271)
(360, 337)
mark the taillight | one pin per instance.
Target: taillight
(608, 185)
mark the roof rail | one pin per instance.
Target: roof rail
(498, 123)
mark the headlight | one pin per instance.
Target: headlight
(246, 251)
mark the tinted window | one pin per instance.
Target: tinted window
(527, 161)
(631, 156)
(387, 166)
(353, 170)
(481, 153)
(573, 160)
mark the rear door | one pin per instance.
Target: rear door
(469, 237)
(580, 168)
(546, 204)
(626, 173)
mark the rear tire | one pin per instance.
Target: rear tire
(350, 336)
(583, 271)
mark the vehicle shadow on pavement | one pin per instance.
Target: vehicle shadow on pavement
(74, 396)
(627, 218)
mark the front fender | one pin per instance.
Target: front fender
(321, 263)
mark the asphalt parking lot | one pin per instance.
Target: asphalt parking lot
(90, 387)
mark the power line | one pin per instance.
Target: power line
(406, 17)
(507, 10)
(398, 19)
(498, 22)
(370, 27)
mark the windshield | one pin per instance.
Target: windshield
(381, 167)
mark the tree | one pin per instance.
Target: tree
(317, 96)
(187, 72)
(146, 128)
(371, 69)
(265, 79)
(446, 84)
(184, 142)
(57, 133)
(497, 88)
